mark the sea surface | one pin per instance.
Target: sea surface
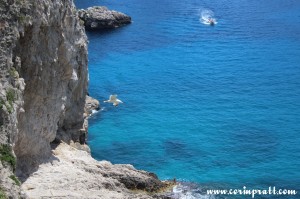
(212, 106)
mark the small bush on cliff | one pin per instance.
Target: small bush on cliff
(7, 156)
(13, 73)
(2, 103)
(22, 19)
(9, 108)
(15, 179)
(81, 22)
(10, 96)
(2, 194)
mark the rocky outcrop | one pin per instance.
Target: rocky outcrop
(91, 105)
(99, 18)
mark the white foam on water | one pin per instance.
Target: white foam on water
(94, 111)
(182, 191)
(206, 15)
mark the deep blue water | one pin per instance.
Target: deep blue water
(218, 106)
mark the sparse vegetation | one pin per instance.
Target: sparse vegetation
(2, 194)
(7, 156)
(9, 108)
(10, 96)
(13, 72)
(20, 2)
(15, 179)
(22, 16)
(81, 22)
(22, 19)
(23, 4)
(2, 103)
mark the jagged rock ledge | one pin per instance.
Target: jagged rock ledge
(100, 17)
(73, 173)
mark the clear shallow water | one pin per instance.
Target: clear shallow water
(219, 106)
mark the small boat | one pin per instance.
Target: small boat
(211, 22)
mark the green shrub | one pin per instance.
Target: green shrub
(7, 156)
(15, 179)
(10, 96)
(9, 108)
(13, 72)
(2, 194)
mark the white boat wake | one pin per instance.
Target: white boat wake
(207, 17)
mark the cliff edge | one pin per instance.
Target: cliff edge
(43, 88)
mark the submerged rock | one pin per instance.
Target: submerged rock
(99, 18)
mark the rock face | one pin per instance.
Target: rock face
(7, 183)
(99, 18)
(43, 88)
(52, 54)
(72, 173)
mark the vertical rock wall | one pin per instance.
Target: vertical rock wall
(53, 55)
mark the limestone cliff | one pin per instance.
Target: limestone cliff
(43, 87)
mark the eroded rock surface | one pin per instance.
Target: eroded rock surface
(72, 173)
(52, 50)
(100, 17)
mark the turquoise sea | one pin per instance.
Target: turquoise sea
(212, 106)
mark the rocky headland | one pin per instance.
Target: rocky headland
(44, 110)
(100, 17)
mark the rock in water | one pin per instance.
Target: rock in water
(91, 105)
(99, 18)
